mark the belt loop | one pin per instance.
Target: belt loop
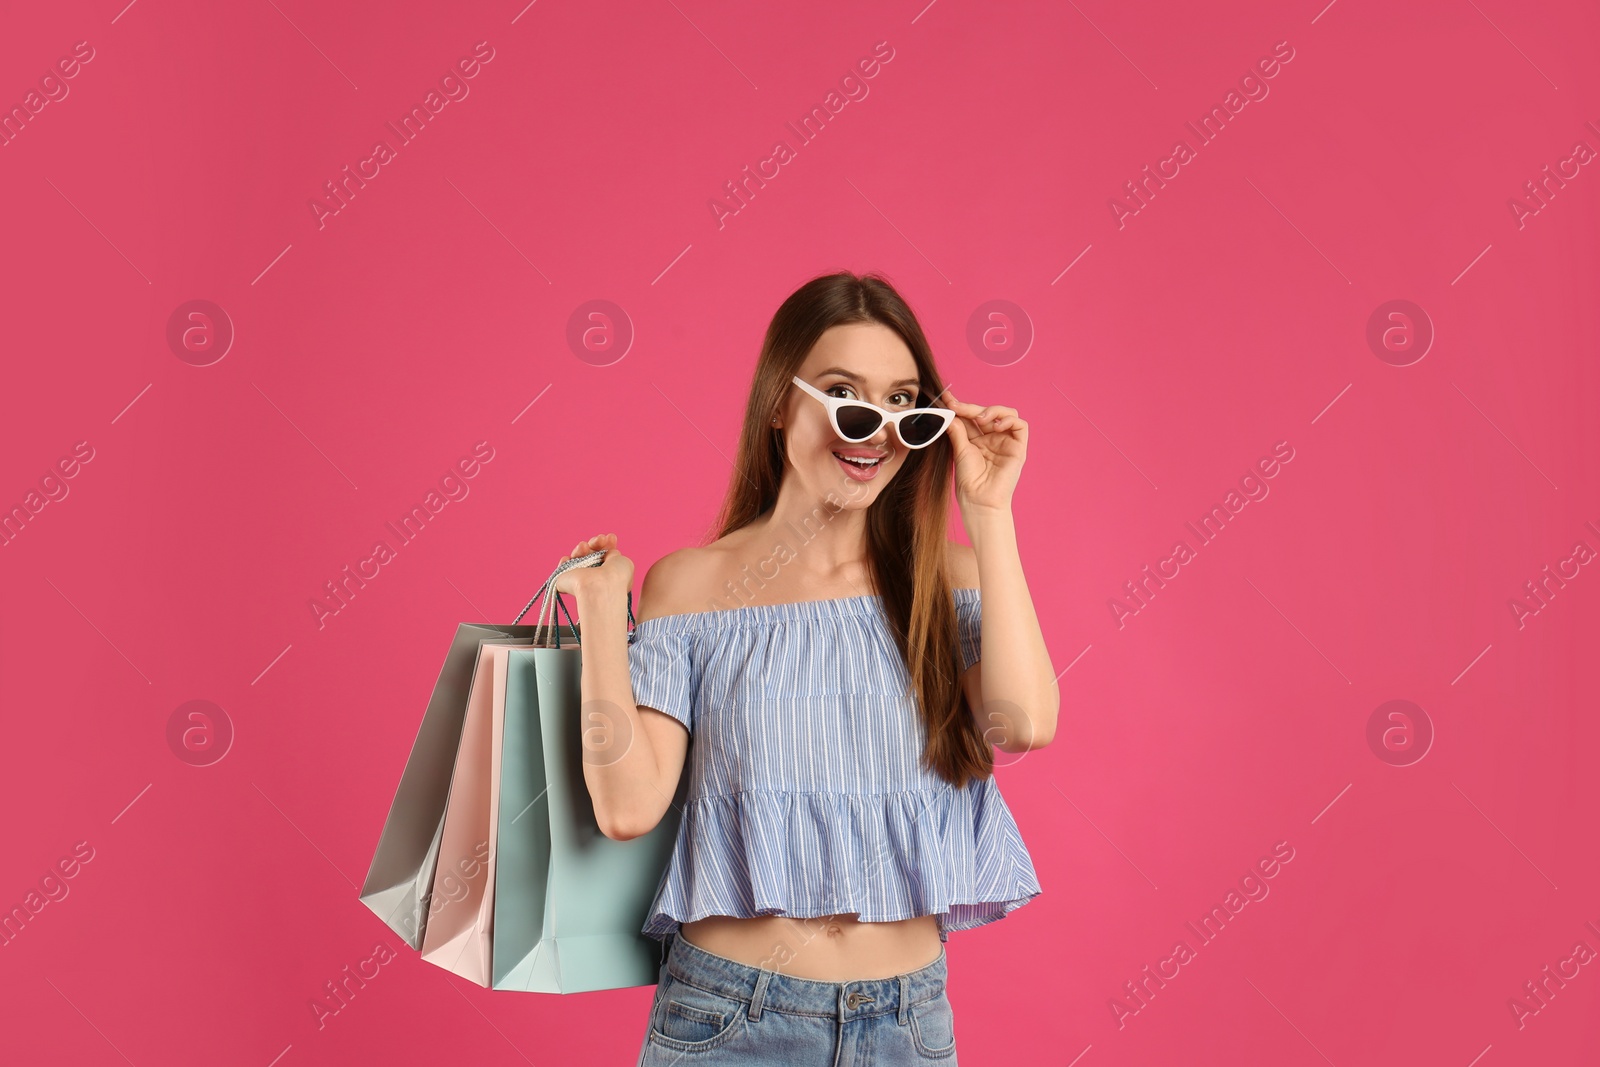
(759, 995)
(905, 998)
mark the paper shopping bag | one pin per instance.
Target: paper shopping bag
(461, 909)
(402, 871)
(457, 937)
(569, 903)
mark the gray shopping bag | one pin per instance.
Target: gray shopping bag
(400, 880)
(569, 903)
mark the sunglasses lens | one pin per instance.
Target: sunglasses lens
(918, 430)
(858, 423)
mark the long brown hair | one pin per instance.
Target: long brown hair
(906, 525)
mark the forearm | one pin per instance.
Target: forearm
(619, 763)
(1020, 696)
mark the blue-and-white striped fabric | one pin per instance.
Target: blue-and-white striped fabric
(806, 797)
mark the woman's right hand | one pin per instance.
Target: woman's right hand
(612, 579)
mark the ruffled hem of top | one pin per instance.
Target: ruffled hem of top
(955, 854)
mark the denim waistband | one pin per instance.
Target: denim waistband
(785, 993)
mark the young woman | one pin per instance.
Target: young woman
(823, 652)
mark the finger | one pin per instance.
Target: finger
(959, 441)
(950, 399)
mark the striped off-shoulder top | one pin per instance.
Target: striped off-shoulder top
(806, 797)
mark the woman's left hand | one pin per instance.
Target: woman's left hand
(990, 446)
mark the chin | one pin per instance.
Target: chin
(859, 502)
(857, 495)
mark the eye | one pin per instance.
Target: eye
(902, 399)
(840, 385)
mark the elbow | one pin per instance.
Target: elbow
(618, 829)
(1026, 744)
(1044, 728)
(1022, 730)
(622, 826)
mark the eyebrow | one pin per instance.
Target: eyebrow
(857, 378)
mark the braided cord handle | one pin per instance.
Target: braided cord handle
(548, 604)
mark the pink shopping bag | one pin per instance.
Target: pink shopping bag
(459, 933)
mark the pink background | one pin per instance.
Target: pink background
(1169, 354)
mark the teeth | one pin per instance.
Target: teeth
(860, 461)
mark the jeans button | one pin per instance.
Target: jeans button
(853, 1000)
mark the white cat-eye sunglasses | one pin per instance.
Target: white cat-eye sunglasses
(857, 420)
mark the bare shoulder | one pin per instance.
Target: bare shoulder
(675, 582)
(962, 565)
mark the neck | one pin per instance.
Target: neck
(826, 536)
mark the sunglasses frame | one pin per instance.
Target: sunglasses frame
(834, 403)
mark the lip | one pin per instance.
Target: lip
(856, 473)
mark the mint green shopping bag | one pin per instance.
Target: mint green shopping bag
(569, 902)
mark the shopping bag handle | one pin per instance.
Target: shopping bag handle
(542, 597)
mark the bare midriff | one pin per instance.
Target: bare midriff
(833, 948)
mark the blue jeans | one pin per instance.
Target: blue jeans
(709, 1009)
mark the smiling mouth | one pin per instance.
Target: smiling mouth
(861, 468)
